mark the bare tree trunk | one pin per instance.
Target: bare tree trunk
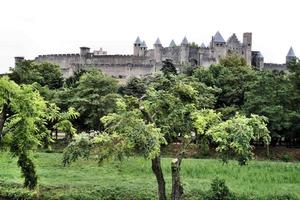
(156, 168)
(177, 189)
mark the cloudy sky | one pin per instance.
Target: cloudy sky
(32, 27)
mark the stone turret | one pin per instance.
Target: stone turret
(184, 51)
(18, 59)
(158, 51)
(143, 49)
(84, 51)
(259, 60)
(218, 45)
(137, 46)
(290, 56)
(247, 47)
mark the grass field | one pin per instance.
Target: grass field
(134, 179)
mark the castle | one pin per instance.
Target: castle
(146, 61)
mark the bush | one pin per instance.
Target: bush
(286, 158)
(219, 191)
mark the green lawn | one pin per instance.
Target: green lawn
(134, 179)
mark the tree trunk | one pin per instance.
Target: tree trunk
(156, 168)
(3, 118)
(177, 189)
(156, 165)
(56, 134)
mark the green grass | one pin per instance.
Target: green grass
(134, 180)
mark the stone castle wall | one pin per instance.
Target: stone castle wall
(145, 61)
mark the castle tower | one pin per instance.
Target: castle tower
(247, 47)
(184, 51)
(290, 56)
(18, 59)
(218, 46)
(260, 60)
(143, 49)
(84, 51)
(137, 46)
(158, 51)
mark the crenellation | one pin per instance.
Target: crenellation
(146, 61)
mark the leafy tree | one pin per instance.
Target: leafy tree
(168, 68)
(72, 80)
(46, 74)
(273, 95)
(173, 111)
(232, 76)
(23, 119)
(135, 87)
(294, 69)
(93, 97)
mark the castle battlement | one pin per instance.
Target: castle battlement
(146, 61)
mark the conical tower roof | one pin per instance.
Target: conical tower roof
(138, 40)
(218, 38)
(203, 45)
(157, 42)
(184, 41)
(291, 53)
(172, 44)
(144, 44)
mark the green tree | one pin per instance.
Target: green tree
(134, 87)
(93, 96)
(273, 95)
(46, 74)
(168, 68)
(232, 76)
(174, 112)
(23, 118)
(72, 80)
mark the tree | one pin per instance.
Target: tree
(176, 111)
(126, 133)
(24, 116)
(46, 74)
(134, 86)
(168, 68)
(273, 95)
(72, 80)
(232, 76)
(93, 97)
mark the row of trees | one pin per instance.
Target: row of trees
(228, 105)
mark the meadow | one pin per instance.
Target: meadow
(133, 178)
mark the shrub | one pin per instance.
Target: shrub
(219, 191)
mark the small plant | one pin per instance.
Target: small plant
(286, 158)
(219, 191)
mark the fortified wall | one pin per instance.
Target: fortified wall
(144, 61)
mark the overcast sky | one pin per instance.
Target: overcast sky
(32, 27)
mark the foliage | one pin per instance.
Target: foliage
(135, 87)
(273, 96)
(125, 133)
(72, 80)
(24, 116)
(235, 136)
(168, 68)
(219, 191)
(231, 76)
(46, 74)
(93, 96)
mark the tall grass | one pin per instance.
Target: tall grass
(86, 180)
